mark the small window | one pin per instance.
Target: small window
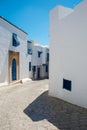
(30, 51)
(67, 84)
(39, 53)
(46, 68)
(29, 66)
(15, 41)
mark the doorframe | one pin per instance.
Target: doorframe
(13, 55)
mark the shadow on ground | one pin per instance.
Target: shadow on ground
(61, 114)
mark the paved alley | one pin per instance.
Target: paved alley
(28, 107)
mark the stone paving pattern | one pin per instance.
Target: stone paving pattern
(28, 107)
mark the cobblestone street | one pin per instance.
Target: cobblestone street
(28, 107)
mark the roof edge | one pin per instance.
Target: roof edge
(75, 4)
(13, 24)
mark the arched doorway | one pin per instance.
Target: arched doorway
(14, 70)
(13, 74)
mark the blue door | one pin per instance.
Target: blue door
(14, 70)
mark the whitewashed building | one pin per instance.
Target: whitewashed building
(13, 53)
(68, 52)
(39, 65)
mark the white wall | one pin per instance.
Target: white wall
(35, 59)
(68, 51)
(38, 61)
(6, 31)
(29, 46)
(44, 61)
(44, 55)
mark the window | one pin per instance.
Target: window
(15, 41)
(29, 66)
(46, 68)
(67, 84)
(30, 51)
(47, 56)
(39, 53)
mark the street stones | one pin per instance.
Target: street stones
(28, 107)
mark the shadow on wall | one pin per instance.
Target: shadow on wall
(61, 114)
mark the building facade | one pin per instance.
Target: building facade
(13, 53)
(39, 65)
(68, 51)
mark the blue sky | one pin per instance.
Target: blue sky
(32, 15)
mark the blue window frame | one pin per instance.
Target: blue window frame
(29, 66)
(15, 41)
(30, 51)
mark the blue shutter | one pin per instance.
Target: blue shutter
(15, 41)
